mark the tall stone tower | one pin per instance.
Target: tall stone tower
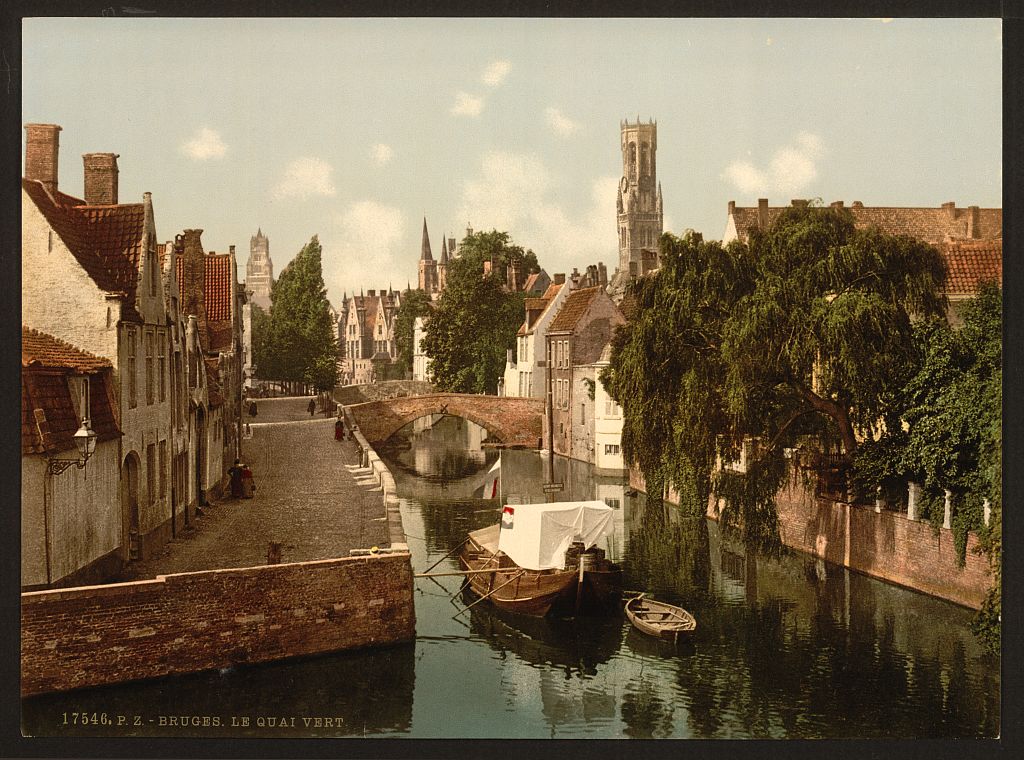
(640, 218)
(259, 270)
(428, 267)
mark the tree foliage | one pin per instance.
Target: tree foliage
(415, 303)
(476, 319)
(804, 330)
(296, 341)
(944, 432)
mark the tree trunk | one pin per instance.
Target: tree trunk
(836, 412)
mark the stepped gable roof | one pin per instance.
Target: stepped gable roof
(106, 240)
(46, 362)
(932, 225)
(971, 263)
(573, 309)
(41, 350)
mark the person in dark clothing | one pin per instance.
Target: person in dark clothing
(312, 407)
(339, 430)
(235, 473)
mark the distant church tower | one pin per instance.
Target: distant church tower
(428, 267)
(640, 218)
(259, 270)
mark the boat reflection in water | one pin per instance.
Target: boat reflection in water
(575, 645)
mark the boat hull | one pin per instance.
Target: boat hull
(663, 621)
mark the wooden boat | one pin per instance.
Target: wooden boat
(587, 583)
(658, 619)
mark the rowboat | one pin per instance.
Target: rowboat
(541, 559)
(658, 619)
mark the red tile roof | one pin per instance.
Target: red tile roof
(49, 417)
(552, 290)
(106, 240)
(930, 224)
(972, 263)
(573, 309)
(219, 290)
(41, 350)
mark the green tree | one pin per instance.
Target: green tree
(415, 303)
(806, 329)
(300, 331)
(476, 319)
(262, 357)
(322, 374)
(944, 431)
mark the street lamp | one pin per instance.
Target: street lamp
(85, 442)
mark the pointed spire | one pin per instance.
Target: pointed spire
(444, 249)
(425, 246)
(408, 286)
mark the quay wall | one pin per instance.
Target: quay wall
(884, 545)
(189, 622)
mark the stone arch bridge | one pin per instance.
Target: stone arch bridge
(508, 420)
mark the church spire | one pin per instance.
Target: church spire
(444, 250)
(425, 246)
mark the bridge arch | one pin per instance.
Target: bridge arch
(508, 420)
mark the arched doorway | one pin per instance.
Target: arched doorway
(200, 468)
(132, 547)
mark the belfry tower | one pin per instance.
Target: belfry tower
(639, 206)
(259, 270)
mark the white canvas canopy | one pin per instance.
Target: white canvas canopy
(536, 536)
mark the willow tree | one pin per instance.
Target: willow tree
(803, 330)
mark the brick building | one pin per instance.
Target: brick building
(368, 334)
(576, 339)
(525, 367)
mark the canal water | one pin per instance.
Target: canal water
(786, 647)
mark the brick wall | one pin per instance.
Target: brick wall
(190, 622)
(357, 394)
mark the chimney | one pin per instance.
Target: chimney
(950, 209)
(100, 178)
(800, 203)
(858, 204)
(231, 250)
(973, 217)
(836, 204)
(371, 293)
(762, 213)
(560, 279)
(732, 208)
(42, 145)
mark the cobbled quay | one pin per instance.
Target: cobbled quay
(311, 497)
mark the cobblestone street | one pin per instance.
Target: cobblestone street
(311, 496)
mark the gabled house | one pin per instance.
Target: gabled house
(576, 338)
(91, 277)
(71, 532)
(525, 367)
(368, 334)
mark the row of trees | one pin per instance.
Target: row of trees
(295, 342)
(813, 333)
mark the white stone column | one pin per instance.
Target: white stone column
(947, 518)
(913, 499)
(987, 511)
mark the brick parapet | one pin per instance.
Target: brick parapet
(189, 622)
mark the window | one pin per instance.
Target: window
(583, 414)
(149, 366)
(162, 344)
(130, 368)
(566, 354)
(612, 409)
(163, 469)
(611, 449)
(613, 503)
(151, 472)
(153, 272)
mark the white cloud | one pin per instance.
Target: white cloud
(304, 177)
(791, 169)
(381, 153)
(205, 143)
(514, 193)
(561, 123)
(467, 105)
(495, 73)
(365, 240)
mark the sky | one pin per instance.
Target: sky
(355, 129)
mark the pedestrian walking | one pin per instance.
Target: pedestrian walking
(339, 430)
(235, 473)
(311, 408)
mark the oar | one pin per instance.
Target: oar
(489, 593)
(447, 555)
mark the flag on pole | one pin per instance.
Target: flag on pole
(491, 488)
(507, 516)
